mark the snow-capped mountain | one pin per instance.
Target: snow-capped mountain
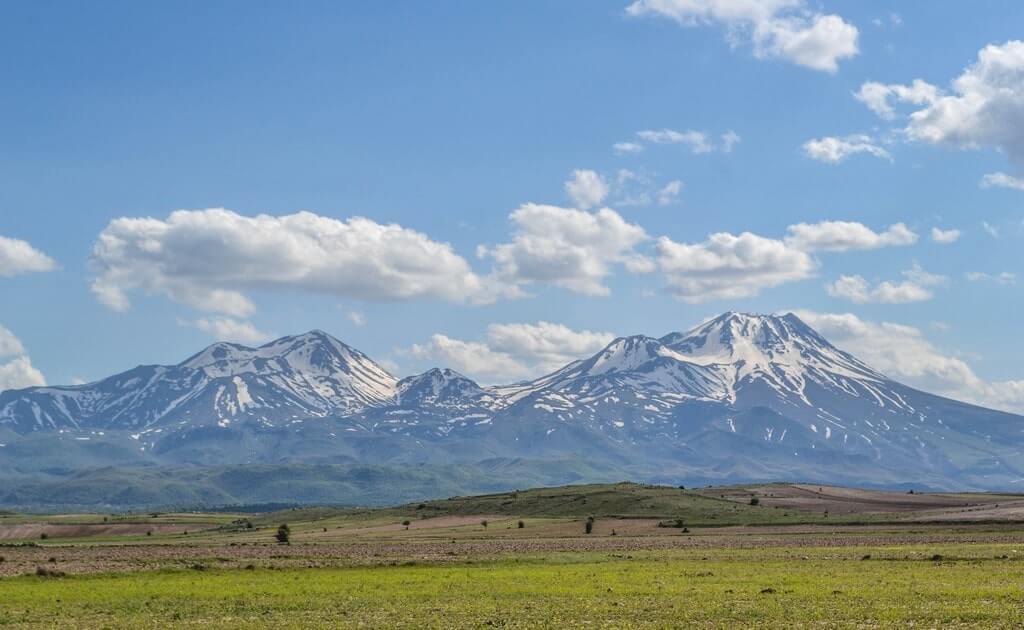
(310, 375)
(740, 397)
(437, 387)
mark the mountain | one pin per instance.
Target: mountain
(739, 398)
(306, 376)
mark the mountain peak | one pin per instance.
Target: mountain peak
(765, 343)
(437, 385)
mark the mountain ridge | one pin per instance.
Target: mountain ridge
(740, 396)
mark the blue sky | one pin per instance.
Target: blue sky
(438, 122)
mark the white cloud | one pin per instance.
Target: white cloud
(472, 358)
(833, 150)
(20, 373)
(357, 318)
(630, 188)
(984, 109)
(228, 329)
(568, 248)
(209, 258)
(730, 267)
(916, 288)
(729, 141)
(628, 147)
(512, 351)
(990, 229)
(18, 257)
(841, 236)
(903, 353)
(546, 345)
(17, 372)
(945, 236)
(9, 344)
(697, 141)
(1004, 278)
(1002, 180)
(784, 29)
(876, 96)
(586, 188)
(669, 192)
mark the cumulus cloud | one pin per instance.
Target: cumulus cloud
(472, 358)
(586, 188)
(916, 288)
(18, 257)
(544, 344)
(1002, 180)
(783, 29)
(833, 150)
(730, 267)
(19, 373)
(209, 259)
(945, 236)
(877, 96)
(513, 351)
(985, 107)
(841, 236)
(568, 248)
(16, 370)
(9, 344)
(905, 354)
(229, 329)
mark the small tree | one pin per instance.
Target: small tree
(283, 534)
(406, 523)
(755, 501)
(484, 523)
(43, 536)
(589, 526)
(522, 524)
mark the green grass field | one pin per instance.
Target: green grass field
(898, 586)
(834, 558)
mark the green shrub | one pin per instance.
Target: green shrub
(284, 534)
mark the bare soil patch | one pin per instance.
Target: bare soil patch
(842, 501)
(93, 558)
(29, 531)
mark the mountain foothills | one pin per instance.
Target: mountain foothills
(739, 398)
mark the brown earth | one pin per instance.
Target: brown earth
(22, 531)
(847, 542)
(842, 501)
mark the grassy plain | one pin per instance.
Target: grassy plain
(878, 559)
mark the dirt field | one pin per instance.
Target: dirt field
(87, 558)
(843, 501)
(23, 531)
